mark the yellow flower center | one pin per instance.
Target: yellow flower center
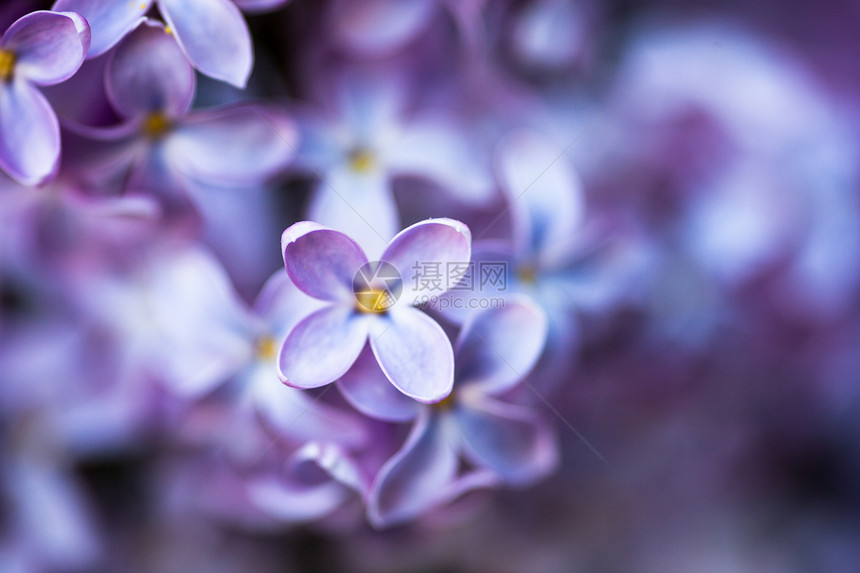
(7, 64)
(156, 125)
(445, 404)
(527, 274)
(267, 348)
(373, 301)
(362, 160)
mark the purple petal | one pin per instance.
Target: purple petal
(415, 354)
(110, 21)
(30, 137)
(282, 305)
(411, 481)
(439, 152)
(318, 479)
(545, 192)
(296, 414)
(233, 146)
(320, 261)
(48, 47)
(443, 244)
(491, 275)
(255, 6)
(369, 391)
(510, 440)
(148, 73)
(359, 204)
(377, 26)
(205, 328)
(214, 35)
(322, 347)
(498, 347)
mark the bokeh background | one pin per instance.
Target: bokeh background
(709, 419)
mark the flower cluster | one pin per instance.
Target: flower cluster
(497, 220)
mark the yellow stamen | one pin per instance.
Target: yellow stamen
(168, 30)
(445, 404)
(7, 64)
(156, 125)
(373, 301)
(361, 160)
(527, 274)
(267, 348)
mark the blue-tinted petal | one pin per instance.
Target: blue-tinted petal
(233, 146)
(322, 347)
(214, 36)
(109, 21)
(30, 138)
(369, 391)
(410, 482)
(499, 346)
(414, 353)
(149, 74)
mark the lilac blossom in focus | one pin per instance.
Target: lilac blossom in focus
(411, 347)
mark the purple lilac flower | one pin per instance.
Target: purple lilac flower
(553, 256)
(411, 347)
(41, 48)
(366, 143)
(503, 441)
(211, 33)
(163, 148)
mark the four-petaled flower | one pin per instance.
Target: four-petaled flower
(412, 349)
(503, 441)
(42, 48)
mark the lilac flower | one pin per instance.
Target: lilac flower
(211, 33)
(411, 348)
(506, 442)
(258, 423)
(163, 148)
(369, 141)
(553, 256)
(41, 48)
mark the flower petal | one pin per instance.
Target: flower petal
(255, 6)
(369, 391)
(214, 35)
(110, 21)
(439, 152)
(499, 346)
(545, 192)
(415, 354)
(148, 73)
(321, 262)
(205, 328)
(491, 276)
(48, 47)
(411, 481)
(508, 439)
(442, 245)
(359, 204)
(379, 26)
(294, 497)
(30, 137)
(282, 305)
(296, 414)
(233, 146)
(322, 347)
